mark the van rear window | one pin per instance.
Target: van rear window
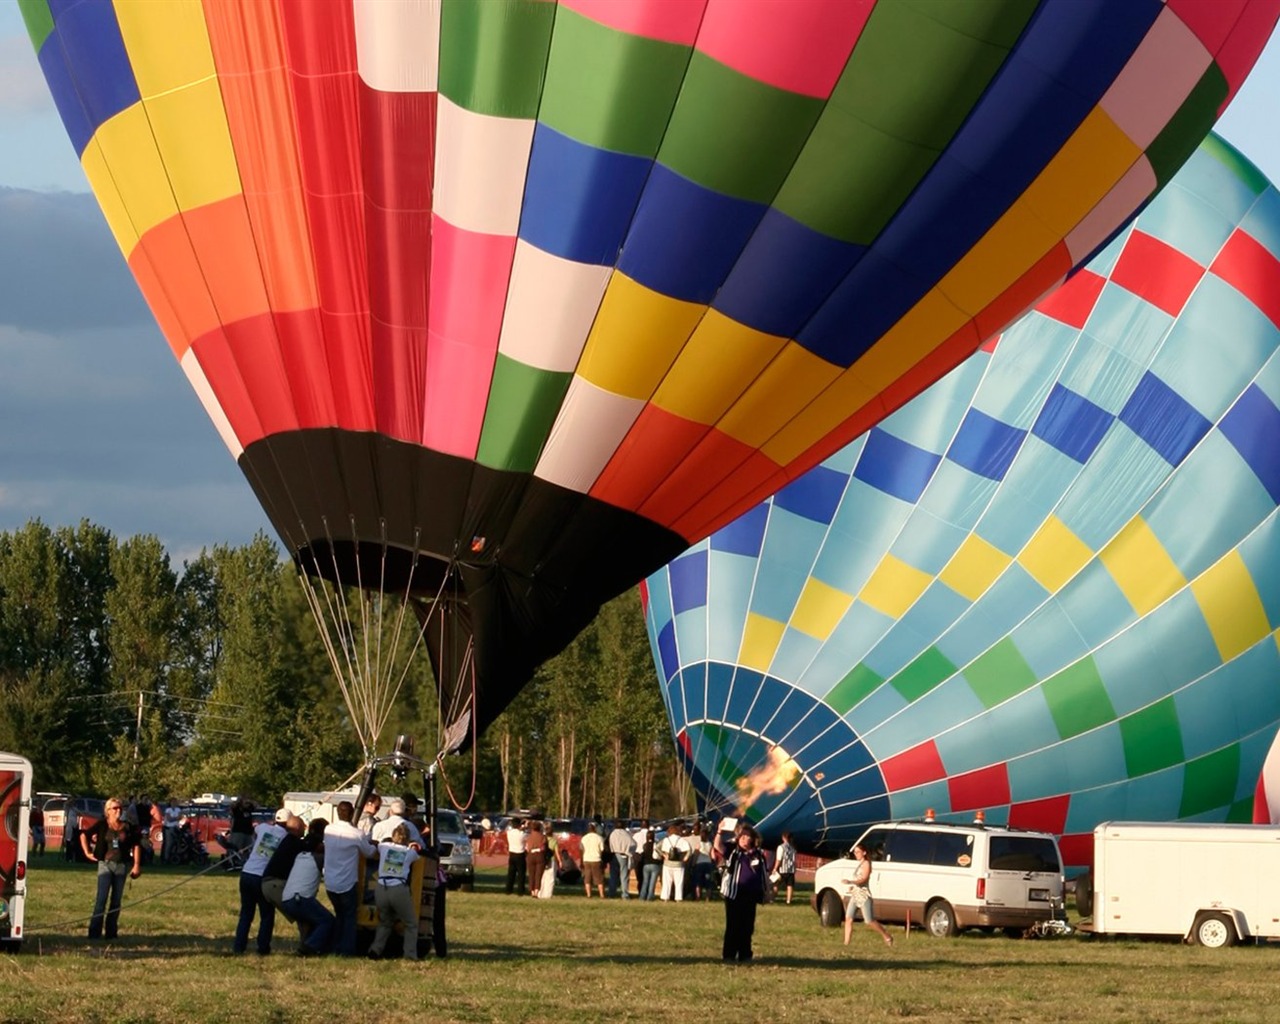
(1024, 853)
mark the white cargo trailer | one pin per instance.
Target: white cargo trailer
(1205, 883)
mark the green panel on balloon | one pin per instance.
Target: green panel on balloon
(859, 684)
(1077, 699)
(999, 674)
(608, 89)
(1210, 782)
(492, 56)
(1252, 178)
(923, 674)
(907, 89)
(39, 21)
(1179, 138)
(523, 402)
(1241, 812)
(1152, 738)
(733, 134)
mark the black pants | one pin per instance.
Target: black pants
(739, 925)
(517, 876)
(438, 938)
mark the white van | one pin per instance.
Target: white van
(1210, 884)
(15, 811)
(950, 877)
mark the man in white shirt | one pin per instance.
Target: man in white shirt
(675, 853)
(266, 837)
(593, 861)
(517, 869)
(299, 898)
(344, 845)
(383, 829)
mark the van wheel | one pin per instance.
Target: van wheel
(940, 919)
(1214, 931)
(830, 910)
(1084, 894)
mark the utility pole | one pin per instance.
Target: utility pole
(137, 736)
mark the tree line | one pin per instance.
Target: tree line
(120, 673)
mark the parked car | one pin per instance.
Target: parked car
(456, 856)
(89, 809)
(949, 877)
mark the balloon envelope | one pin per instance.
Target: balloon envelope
(523, 297)
(1048, 588)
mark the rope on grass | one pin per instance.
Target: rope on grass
(59, 926)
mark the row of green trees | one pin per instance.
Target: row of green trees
(122, 674)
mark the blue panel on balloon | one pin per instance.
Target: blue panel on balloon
(785, 717)
(1229, 503)
(689, 581)
(1163, 419)
(795, 652)
(684, 238)
(744, 535)
(1261, 554)
(667, 650)
(928, 543)
(1072, 423)
(957, 496)
(1157, 654)
(1160, 792)
(1252, 426)
(579, 200)
(87, 38)
(691, 628)
(870, 300)
(1096, 607)
(785, 273)
(1215, 348)
(895, 467)
(1262, 222)
(985, 446)
(815, 495)
(1093, 758)
(1047, 640)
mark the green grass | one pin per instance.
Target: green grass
(570, 959)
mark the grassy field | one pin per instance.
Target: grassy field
(570, 959)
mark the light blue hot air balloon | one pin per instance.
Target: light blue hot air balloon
(1048, 588)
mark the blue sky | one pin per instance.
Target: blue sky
(96, 419)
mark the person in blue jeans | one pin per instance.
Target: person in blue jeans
(315, 921)
(114, 845)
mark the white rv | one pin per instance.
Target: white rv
(15, 813)
(1214, 885)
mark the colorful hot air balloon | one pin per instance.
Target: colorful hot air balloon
(1048, 588)
(500, 305)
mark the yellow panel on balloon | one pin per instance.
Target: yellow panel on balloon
(1054, 555)
(190, 127)
(1097, 156)
(760, 639)
(785, 387)
(928, 323)
(1142, 567)
(894, 587)
(167, 43)
(637, 335)
(974, 567)
(820, 609)
(714, 369)
(128, 177)
(1231, 605)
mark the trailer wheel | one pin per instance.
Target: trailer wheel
(940, 919)
(830, 910)
(1213, 931)
(1084, 894)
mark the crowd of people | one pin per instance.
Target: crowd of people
(287, 859)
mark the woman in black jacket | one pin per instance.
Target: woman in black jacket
(743, 890)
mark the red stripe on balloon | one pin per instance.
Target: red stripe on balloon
(986, 787)
(1250, 268)
(1157, 272)
(1074, 301)
(913, 767)
(1047, 815)
(656, 444)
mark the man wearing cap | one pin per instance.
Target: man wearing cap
(266, 837)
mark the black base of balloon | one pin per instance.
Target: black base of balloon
(520, 565)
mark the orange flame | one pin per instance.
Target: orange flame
(773, 777)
